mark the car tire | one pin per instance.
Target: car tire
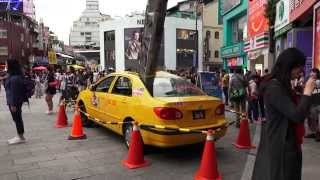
(127, 130)
(86, 122)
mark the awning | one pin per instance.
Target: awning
(65, 55)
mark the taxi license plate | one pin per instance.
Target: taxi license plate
(199, 114)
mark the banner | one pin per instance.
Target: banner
(257, 23)
(282, 14)
(316, 39)
(52, 57)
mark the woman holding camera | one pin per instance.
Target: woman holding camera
(279, 155)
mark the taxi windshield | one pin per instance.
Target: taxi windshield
(172, 86)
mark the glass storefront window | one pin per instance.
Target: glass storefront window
(238, 26)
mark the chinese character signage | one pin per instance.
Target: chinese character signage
(316, 45)
(298, 7)
(52, 57)
(257, 23)
(282, 14)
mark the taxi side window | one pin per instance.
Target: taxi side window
(104, 85)
(122, 87)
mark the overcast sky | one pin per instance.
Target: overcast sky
(60, 14)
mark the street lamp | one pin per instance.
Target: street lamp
(197, 3)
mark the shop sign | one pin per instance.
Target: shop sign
(257, 23)
(298, 7)
(257, 42)
(316, 39)
(52, 57)
(234, 50)
(282, 14)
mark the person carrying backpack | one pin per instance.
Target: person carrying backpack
(16, 94)
(237, 93)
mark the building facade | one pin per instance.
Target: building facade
(120, 46)
(257, 38)
(296, 26)
(85, 31)
(234, 13)
(18, 33)
(212, 36)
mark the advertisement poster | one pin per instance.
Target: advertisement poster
(316, 45)
(109, 46)
(257, 23)
(210, 84)
(11, 5)
(282, 14)
(133, 50)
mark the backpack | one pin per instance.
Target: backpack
(29, 85)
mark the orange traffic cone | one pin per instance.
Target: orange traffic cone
(209, 168)
(244, 140)
(77, 130)
(135, 155)
(62, 120)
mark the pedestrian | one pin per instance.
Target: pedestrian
(15, 94)
(225, 86)
(252, 96)
(262, 79)
(313, 117)
(38, 86)
(237, 92)
(50, 90)
(279, 155)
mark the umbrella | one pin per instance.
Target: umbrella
(40, 68)
(77, 67)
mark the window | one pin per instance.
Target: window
(82, 33)
(3, 34)
(88, 39)
(173, 86)
(216, 35)
(3, 51)
(88, 33)
(104, 85)
(237, 29)
(123, 87)
(216, 54)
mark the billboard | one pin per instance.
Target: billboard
(257, 23)
(133, 50)
(11, 5)
(109, 49)
(316, 37)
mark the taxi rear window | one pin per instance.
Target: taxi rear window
(172, 86)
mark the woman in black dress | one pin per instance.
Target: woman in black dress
(51, 90)
(279, 155)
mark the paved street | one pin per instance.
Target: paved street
(48, 155)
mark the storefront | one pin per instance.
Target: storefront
(234, 57)
(257, 39)
(234, 15)
(120, 44)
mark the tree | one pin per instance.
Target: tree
(270, 14)
(152, 37)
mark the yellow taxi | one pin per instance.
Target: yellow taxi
(165, 99)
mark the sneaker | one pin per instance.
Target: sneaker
(49, 112)
(16, 140)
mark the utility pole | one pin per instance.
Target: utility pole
(153, 34)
